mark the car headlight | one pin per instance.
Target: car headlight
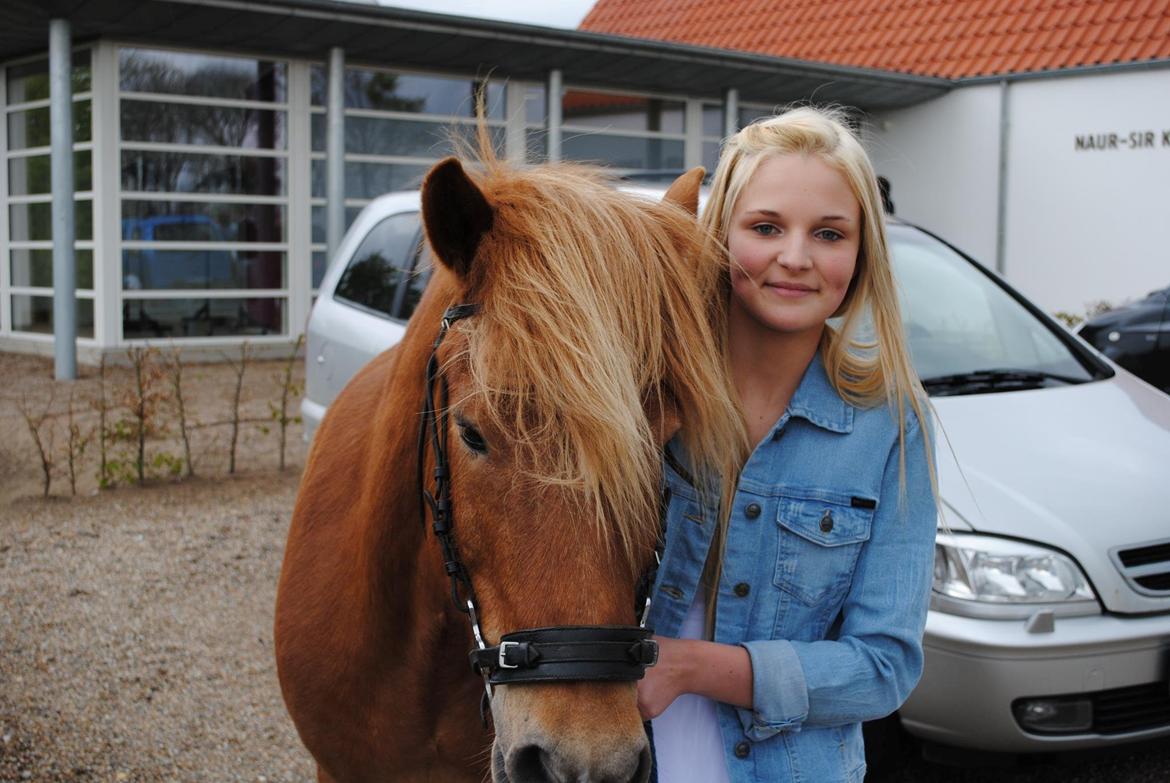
(987, 576)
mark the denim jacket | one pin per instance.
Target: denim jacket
(826, 580)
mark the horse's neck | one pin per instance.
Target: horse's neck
(405, 575)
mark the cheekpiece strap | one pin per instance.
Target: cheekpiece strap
(457, 312)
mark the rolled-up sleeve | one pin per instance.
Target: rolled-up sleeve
(876, 659)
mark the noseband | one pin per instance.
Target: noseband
(562, 653)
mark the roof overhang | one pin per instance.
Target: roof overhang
(380, 35)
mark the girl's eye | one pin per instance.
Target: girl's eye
(472, 438)
(829, 234)
(765, 229)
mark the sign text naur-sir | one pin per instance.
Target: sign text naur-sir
(1133, 140)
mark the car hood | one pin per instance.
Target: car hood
(1083, 468)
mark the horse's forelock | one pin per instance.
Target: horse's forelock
(592, 300)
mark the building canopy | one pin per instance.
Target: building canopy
(410, 39)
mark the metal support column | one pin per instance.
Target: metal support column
(555, 92)
(693, 129)
(1005, 126)
(61, 165)
(335, 153)
(515, 118)
(730, 112)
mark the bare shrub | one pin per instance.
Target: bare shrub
(77, 442)
(175, 372)
(239, 368)
(142, 404)
(40, 428)
(288, 388)
(102, 405)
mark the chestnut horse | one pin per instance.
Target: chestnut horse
(592, 342)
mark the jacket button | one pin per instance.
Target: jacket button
(742, 589)
(742, 750)
(827, 521)
(752, 511)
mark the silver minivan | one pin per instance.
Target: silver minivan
(1049, 626)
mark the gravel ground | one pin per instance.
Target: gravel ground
(136, 631)
(137, 638)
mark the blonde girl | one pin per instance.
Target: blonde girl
(817, 575)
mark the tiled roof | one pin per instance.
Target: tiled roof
(947, 38)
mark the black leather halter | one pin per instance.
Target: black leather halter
(555, 654)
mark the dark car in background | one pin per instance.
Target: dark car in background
(1136, 336)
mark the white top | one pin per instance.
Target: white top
(687, 744)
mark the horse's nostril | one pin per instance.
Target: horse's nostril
(645, 761)
(531, 764)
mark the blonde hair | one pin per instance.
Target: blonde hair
(864, 373)
(596, 306)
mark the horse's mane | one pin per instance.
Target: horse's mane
(595, 302)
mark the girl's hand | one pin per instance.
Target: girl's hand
(722, 672)
(665, 681)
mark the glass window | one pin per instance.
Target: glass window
(184, 172)
(380, 273)
(31, 175)
(208, 75)
(710, 155)
(536, 145)
(205, 317)
(535, 112)
(35, 314)
(35, 221)
(156, 269)
(319, 228)
(712, 119)
(627, 152)
(187, 221)
(621, 112)
(958, 321)
(31, 128)
(408, 138)
(221, 126)
(747, 114)
(30, 81)
(319, 267)
(34, 268)
(370, 180)
(414, 93)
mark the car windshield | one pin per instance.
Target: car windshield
(960, 324)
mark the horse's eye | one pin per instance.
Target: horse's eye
(472, 438)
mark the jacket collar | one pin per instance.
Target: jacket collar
(818, 402)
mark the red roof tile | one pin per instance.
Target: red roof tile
(948, 38)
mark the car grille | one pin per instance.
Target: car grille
(1135, 708)
(1147, 567)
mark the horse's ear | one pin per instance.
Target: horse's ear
(684, 191)
(455, 215)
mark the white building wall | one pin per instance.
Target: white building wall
(1089, 224)
(1084, 222)
(942, 160)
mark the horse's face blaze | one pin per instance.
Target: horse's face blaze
(536, 560)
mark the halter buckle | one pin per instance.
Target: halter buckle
(503, 663)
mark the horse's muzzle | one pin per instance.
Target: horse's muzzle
(538, 762)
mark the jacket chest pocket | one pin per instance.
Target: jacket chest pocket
(819, 544)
